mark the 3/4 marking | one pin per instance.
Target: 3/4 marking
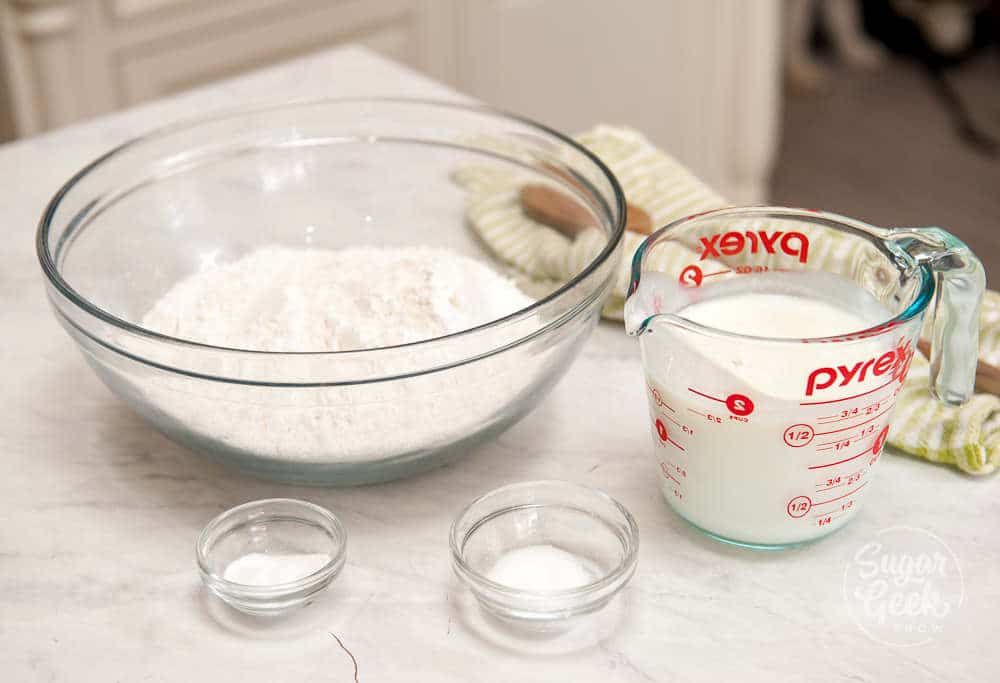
(849, 493)
(853, 426)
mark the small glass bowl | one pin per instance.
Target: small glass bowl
(271, 530)
(588, 524)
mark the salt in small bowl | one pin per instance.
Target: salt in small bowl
(559, 529)
(269, 557)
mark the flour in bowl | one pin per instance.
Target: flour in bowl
(280, 299)
(283, 299)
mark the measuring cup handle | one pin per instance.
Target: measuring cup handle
(960, 282)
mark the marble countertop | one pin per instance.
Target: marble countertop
(100, 514)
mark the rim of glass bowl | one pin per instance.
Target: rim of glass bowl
(622, 570)
(333, 526)
(607, 213)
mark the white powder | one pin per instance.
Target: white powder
(540, 567)
(281, 299)
(264, 569)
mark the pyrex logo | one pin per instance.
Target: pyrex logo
(732, 243)
(896, 361)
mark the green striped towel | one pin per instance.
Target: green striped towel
(543, 258)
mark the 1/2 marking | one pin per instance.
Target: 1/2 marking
(799, 506)
(799, 435)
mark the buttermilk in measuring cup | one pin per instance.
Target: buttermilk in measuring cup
(766, 443)
(774, 351)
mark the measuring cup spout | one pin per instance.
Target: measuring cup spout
(649, 298)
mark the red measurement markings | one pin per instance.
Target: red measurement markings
(867, 409)
(854, 426)
(661, 431)
(674, 421)
(833, 500)
(714, 419)
(855, 475)
(672, 477)
(675, 444)
(879, 442)
(690, 277)
(798, 507)
(848, 398)
(668, 470)
(840, 462)
(713, 398)
(798, 435)
(835, 482)
(829, 516)
(738, 404)
(658, 398)
(830, 488)
(866, 434)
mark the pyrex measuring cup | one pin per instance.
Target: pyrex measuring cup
(769, 441)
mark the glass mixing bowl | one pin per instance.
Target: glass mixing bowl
(326, 174)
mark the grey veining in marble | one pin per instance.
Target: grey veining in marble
(100, 514)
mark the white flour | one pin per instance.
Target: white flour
(310, 300)
(281, 299)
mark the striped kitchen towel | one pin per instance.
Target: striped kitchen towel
(543, 258)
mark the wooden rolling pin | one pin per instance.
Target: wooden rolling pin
(987, 376)
(548, 205)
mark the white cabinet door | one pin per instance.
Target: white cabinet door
(699, 77)
(65, 60)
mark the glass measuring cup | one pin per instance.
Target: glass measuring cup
(769, 441)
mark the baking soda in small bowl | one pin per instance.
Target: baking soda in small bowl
(264, 569)
(541, 568)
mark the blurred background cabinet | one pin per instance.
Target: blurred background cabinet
(700, 77)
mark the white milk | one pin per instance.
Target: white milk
(770, 441)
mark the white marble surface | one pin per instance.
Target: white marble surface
(100, 514)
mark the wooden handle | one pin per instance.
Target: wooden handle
(987, 376)
(548, 205)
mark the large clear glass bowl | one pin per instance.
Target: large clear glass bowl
(325, 174)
